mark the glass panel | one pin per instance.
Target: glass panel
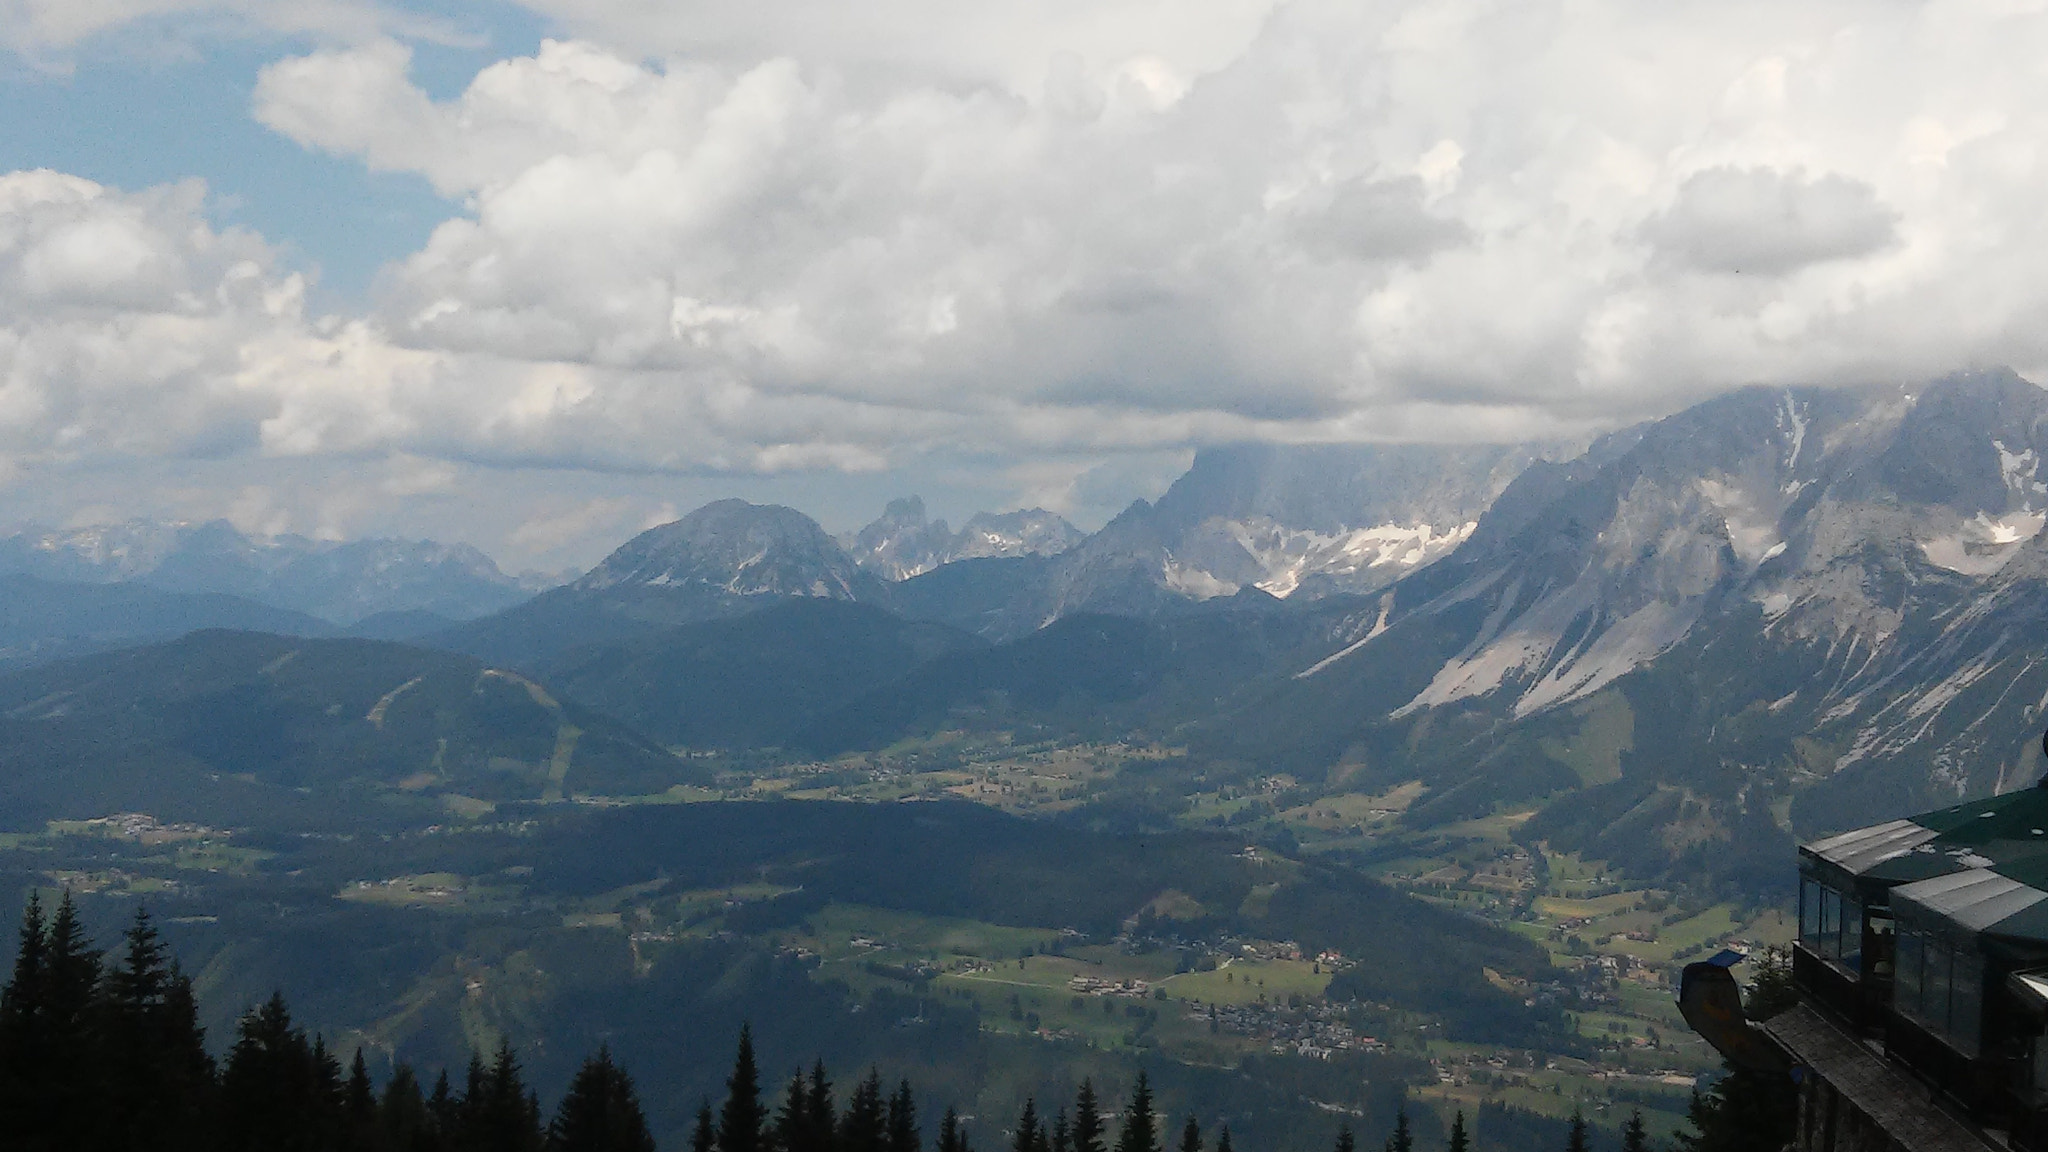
(1906, 993)
(1809, 913)
(1851, 950)
(1966, 1013)
(1934, 985)
(1830, 924)
(1883, 945)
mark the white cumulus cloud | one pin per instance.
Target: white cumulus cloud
(730, 238)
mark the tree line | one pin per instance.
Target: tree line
(104, 1053)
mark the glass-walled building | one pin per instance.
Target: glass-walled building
(1922, 961)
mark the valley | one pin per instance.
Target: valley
(998, 808)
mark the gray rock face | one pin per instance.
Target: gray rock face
(1290, 522)
(339, 582)
(724, 559)
(902, 543)
(734, 548)
(1782, 609)
(1808, 504)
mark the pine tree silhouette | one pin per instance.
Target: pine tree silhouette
(793, 1119)
(1460, 1142)
(704, 1137)
(1578, 1139)
(740, 1120)
(823, 1115)
(1345, 1141)
(863, 1126)
(403, 1121)
(359, 1131)
(902, 1122)
(155, 1079)
(1633, 1137)
(600, 1112)
(950, 1137)
(1026, 1137)
(1087, 1119)
(1062, 1134)
(1140, 1130)
(23, 1033)
(1223, 1139)
(278, 1093)
(497, 1113)
(1403, 1139)
(1191, 1136)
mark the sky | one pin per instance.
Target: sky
(536, 275)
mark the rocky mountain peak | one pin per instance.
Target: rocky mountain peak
(902, 543)
(735, 548)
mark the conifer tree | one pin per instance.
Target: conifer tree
(1460, 1142)
(497, 1112)
(278, 1092)
(156, 1080)
(1223, 1139)
(1578, 1139)
(22, 1031)
(793, 1118)
(863, 1126)
(1087, 1119)
(1633, 1136)
(1345, 1141)
(902, 1123)
(824, 1117)
(950, 1137)
(704, 1138)
(1403, 1139)
(1191, 1136)
(469, 1108)
(1026, 1137)
(1140, 1130)
(359, 1131)
(65, 1077)
(600, 1112)
(445, 1110)
(740, 1120)
(403, 1121)
(1062, 1134)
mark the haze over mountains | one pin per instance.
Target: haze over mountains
(341, 582)
(1299, 672)
(1785, 608)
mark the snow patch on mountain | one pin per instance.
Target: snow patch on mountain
(2019, 469)
(1192, 582)
(1385, 551)
(1983, 544)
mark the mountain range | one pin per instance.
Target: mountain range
(1781, 611)
(344, 583)
(902, 543)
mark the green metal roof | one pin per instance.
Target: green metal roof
(1981, 865)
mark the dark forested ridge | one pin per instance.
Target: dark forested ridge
(104, 1052)
(249, 727)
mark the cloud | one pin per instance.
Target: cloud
(1149, 46)
(1760, 221)
(124, 322)
(750, 241)
(44, 29)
